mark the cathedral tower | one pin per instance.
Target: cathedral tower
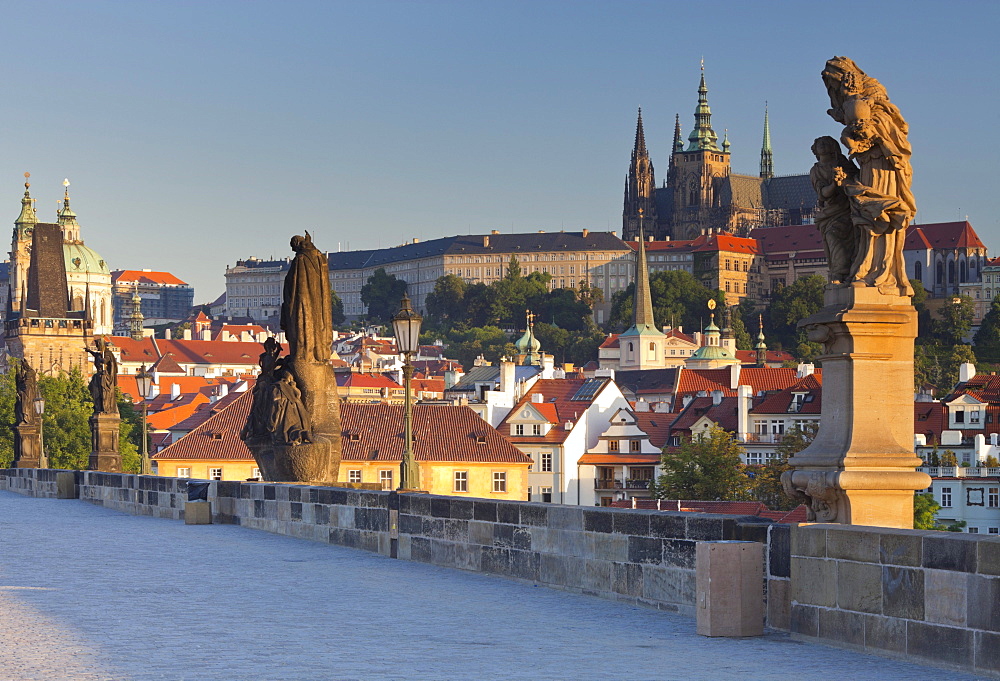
(766, 158)
(20, 247)
(640, 186)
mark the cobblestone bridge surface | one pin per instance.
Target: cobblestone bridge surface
(92, 594)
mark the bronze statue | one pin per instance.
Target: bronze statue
(880, 198)
(306, 313)
(104, 382)
(26, 380)
(277, 413)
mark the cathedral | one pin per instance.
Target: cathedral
(700, 195)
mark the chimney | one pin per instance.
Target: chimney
(223, 389)
(716, 397)
(187, 334)
(734, 376)
(494, 231)
(206, 334)
(642, 405)
(744, 400)
(486, 241)
(966, 372)
(537, 398)
(686, 400)
(548, 364)
(175, 390)
(585, 233)
(804, 370)
(993, 439)
(508, 375)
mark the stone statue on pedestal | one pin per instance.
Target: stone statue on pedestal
(293, 428)
(861, 467)
(28, 424)
(105, 423)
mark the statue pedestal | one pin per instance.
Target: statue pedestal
(105, 455)
(27, 446)
(860, 469)
(312, 462)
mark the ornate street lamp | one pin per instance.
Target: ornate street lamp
(39, 404)
(406, 326)
(143, 380)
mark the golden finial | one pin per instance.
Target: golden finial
(702, 63)
(711, 303)
(26, 183)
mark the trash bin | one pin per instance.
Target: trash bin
(729, 588)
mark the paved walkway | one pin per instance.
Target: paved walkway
(92, 594)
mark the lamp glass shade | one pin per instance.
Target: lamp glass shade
(406, 326)
(39, 406)
(142, 380)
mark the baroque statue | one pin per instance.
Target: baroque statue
(293, 425)
(104, 382)
(864, 209)
(26, 382)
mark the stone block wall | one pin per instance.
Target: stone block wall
(32, 482)
(926, 594)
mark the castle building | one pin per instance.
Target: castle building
(162, 297)
(701, 195)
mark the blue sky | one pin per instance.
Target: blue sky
(195, 134)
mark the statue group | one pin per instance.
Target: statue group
(865, 201)
(293, 427)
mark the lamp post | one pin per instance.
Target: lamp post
(406, 326)
(143, 379)
(39, 404)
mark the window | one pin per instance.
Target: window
(946, 497)
(536, 429)
(634, 446)
(546, 493)
(215, 474)
(354, 476)
(960, 416)
(974, 416)
(994, 497)
(973, 530)
(185, 472)
(612, 445)
(256, 473)
(519, 429)
(652, 351)
(385, 480)
(499, 481)
(461, 481)
(546, 462)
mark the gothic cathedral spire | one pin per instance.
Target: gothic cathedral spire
(642, 311)
(640, 186)
(702, 137)
(766, 159)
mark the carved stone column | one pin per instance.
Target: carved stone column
(27, 446)
(860, 469)
(105, 454)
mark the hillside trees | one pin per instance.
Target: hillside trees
(678, 300)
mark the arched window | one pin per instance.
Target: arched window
(951, 272)
(963, 272)
(652, 351)
(918, 271)
(631, 348)
(939, 278)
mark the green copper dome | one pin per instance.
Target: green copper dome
(527, 344)
(83, 260)
(711, 352)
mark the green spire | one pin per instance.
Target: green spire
(702, 137)
(642, 311)
(725, 141)
(27, 216)
(766, 159)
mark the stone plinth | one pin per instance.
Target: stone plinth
(860, 469)
(27, 446)
(105, 455)
(729, 601)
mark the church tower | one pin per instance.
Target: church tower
(640, 186)
(766, 158)
(642, 345)
(698, 173)
(20, 248)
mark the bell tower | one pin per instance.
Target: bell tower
(20, 248)
(640, 187)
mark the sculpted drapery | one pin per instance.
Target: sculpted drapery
(879, 195)
(306, 313)
(104, 382)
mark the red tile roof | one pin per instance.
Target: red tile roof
(942, 235)
(165, 418)
(618, 459)
(610, 342)
(357, 380)
(673, 245)
(556, 406)
(728, 243)
(773, 356)
(237, 329)
(371, 432)
(760, 379)
(773, 240)
(144, 277)
(779, 402)
(656, 425)
(723, 414)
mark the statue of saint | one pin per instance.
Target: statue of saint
(880, 197)
(833, 215)
(277, 412)
(104, 382)
(26, 381)
(306, 313)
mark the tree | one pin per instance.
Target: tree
(178, 331)
(955, 324)
(678, 299)
(789, 305)
(513, 268)
(445, 302)
(337, 308)
(991, 462)
(382, 295)
(743, 341)
(489, 341)
(706, 468)
(948, 458)
(987, 339)
(925, 510)
(767, 487)
(950, 365)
